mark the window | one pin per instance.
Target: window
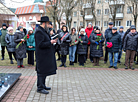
(75, 24)
(106, 11)
(81, 23)
(117, 23)
(97, 23)
(106, 1)
(129, 9)
(75, 13)
(99, 1)
(98, 11)
(119, 9)
(128, 23)
(105, 23)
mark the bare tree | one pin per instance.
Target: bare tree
(133, 6)
(114, 6)
(68, 6)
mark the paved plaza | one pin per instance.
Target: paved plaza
(76, 85)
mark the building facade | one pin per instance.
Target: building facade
(32, 13)
(103, 14)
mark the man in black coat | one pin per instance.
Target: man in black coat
(45, 56)
(107, 31)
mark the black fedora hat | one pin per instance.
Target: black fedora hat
(44, 19)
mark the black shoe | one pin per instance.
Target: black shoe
(73, 63)
(70, 63)
(61, 65)
(119, 61)
(115, 67)
(65, 65)
(82, 64)
(133, 68)
(126, 68)
(2, 58)
(47, 88)
(110, 66)
(105, 62)
(12, 62)
(79, 64)
(43, 91)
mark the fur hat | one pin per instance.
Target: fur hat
(30, 28)
(10, 28)
(82, 30)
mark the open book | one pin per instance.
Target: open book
(56, 36)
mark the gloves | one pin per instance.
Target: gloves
(100, 41)
(96, 43)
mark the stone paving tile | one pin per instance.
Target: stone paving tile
(76, 85)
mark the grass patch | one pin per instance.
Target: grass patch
(88, 63)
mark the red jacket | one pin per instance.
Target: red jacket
(88, 32)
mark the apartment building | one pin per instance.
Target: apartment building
(103, 15)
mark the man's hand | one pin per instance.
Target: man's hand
(81, 41)
(22, 40)
(53, 41)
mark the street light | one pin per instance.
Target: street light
(41, 11)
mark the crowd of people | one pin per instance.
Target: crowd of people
(79, 45)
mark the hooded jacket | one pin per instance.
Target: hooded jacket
(88, 32)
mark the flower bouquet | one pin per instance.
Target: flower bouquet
(109, 44)
(25, 38)
(73, 43)
(81, 43)
(99, 36)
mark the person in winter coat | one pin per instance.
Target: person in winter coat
(122, 33)
(21, 50)
(64, 43)
(107, 31)
(96, 47)
(9, 38)
(88, 31)
(45, 56)
(113, 51)
(130, 46)
(2, 39)
(82, 47)
(30, 47)
(73, 46)
(76, 55)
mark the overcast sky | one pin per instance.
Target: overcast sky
(10, 3)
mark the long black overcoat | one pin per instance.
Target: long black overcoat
(21, 50)
(45, 56)
(93, 47)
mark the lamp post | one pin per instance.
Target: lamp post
(41, 11)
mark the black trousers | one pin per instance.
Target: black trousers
(10, 55)
(81, 58)
(41, 82)
(63, 58)
(3, 51)
(30, 57)
(106, 54)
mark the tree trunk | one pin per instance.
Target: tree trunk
(135, 20)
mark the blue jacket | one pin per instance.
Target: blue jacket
(122, 34)
(107, 31)
(31, 42)
(116, 41)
